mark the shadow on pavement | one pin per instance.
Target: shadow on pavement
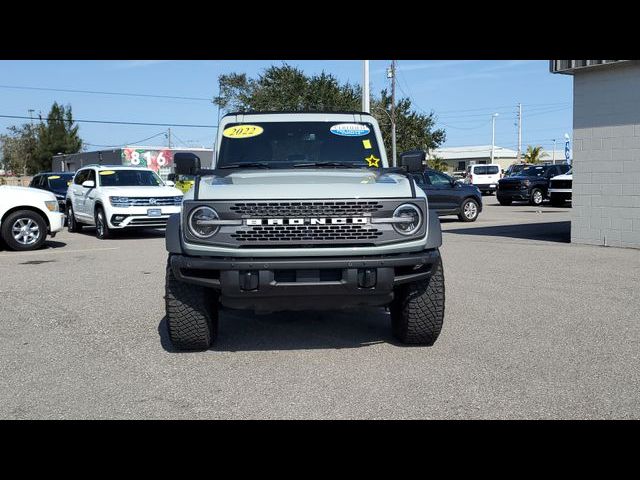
(549, 231)
(128, 234)
(246, 331)
(48, 245)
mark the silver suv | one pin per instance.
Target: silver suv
(301, 212)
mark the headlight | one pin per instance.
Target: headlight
(407, 219)
(201, 222)
(119, 201)
(52, 205)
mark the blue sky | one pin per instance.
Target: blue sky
(463, 94)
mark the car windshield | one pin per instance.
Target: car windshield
(129, 178)
(533, 172)
(299, 145)
(59, 182)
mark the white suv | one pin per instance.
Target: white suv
(115, 197)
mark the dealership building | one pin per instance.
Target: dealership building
(606, 151)
(159, 159)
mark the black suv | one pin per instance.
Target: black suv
(449, 196)
(530, 185)
(55, 182)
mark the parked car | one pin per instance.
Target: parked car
(530, 185)
(485, 177)
(27, 216)
(113, 197)
(449, 196)
(56, 183)
(516, 168)
(560, 189)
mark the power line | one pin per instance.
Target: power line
(126, 143)
(97, 92)
(113, 122)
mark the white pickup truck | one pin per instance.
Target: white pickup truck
(27, 215)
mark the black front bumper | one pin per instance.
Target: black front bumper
(317, 283)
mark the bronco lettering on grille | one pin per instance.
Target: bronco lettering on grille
(307, 221)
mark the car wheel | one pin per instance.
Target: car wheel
(417, 312)
(192, 314)
(536, 197)
(72, 223)
(24, 230)
(103, 231)
(469, 211)
(505, 201)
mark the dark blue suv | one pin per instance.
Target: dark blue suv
(55, 182)
(449, 196)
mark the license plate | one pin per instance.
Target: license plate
(154, 212)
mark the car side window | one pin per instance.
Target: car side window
(438, 179)
(34, 182)
(419, 178)
(91, 175)
(80, 177)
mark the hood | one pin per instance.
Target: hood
(563, 177)
(303, 184)
(142, 191)
(17, 192)
(516, 178)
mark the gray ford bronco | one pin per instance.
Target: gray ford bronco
(301, 212)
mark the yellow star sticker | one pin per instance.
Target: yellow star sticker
(372, 161)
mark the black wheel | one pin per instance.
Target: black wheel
(468, 211)
(103, 231)
(505, 201)
(192, 314)
(72, 223)
(417, 312)
(536, 197)
(557, 202)
(24, 230)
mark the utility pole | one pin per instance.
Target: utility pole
(554, 151)
(169, 137)
(519, 131)
(365, 86)
(493, 134)
(31, 110)
(392, 74)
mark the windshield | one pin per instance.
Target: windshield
(129, 178)
(298, 145)
(59, 182)
(533, 172)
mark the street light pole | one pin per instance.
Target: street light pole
(365, 86)
(554, 151)
(393, 112)
(493, 134)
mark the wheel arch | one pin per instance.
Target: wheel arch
(26, 207)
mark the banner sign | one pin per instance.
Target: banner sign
(160, 161)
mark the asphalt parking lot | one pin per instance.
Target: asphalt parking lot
(535, 327)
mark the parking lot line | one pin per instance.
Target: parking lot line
(51, 250)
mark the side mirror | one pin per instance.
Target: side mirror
(171, 177)
(170, 183)
(413, 160)
(89, 184)
(186, 163)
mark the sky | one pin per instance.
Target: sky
(462, 94)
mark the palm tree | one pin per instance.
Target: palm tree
(438, 163)
(534, 154)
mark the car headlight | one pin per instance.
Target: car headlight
(119, 201)
(407, 219)
(52, 205)
(202, 222)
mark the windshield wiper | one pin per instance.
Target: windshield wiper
(247, 165)
(325, 164)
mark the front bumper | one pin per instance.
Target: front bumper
(119, 217)
(513, 194)
(56, 222)
(274, 284)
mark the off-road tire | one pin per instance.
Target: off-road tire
(34, 218)
(417, 312)
(505, 201)
(192, 314)
(72, 224)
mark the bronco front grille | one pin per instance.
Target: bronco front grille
(289, 233)
(305, 209)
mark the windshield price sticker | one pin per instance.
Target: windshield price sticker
(243, 131)
(107, 172)
(350, 130)
(53, 177)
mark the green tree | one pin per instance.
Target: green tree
(285, 87)
(19, 149)
(438, 163)
(534, 154)
(57, 134)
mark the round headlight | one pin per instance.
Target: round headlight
(411, 219)
(201, 222)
